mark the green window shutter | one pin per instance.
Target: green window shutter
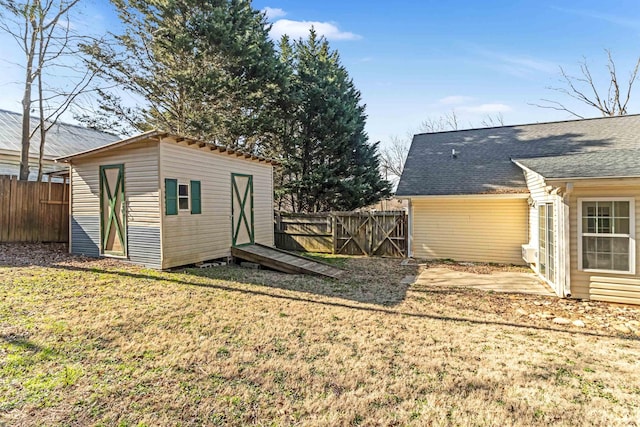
(171, 196)
(195, 197)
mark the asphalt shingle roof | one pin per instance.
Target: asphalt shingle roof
(483, 162)
(596, 164)
(62, 139)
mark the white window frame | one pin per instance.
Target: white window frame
(187, 197)
(631, 235)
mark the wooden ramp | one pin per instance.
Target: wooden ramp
(284, 261)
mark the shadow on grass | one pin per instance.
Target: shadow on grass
(381, 310)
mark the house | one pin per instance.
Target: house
(62, 140)
(562, 197)
(163, 200)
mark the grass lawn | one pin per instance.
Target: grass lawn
(86, 342)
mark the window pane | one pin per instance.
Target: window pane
(620, 245)
(588, 209)
(604, 225)
(184, 203)
(603, 262)
(605, 209)
(603, 244)
(589, 244)
(184, 190)
(589, 225)
(621, 262)
(622, 209)
(621, 226)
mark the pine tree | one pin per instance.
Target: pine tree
(328, 163)
(201, 68)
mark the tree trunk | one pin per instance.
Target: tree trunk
(26, 104)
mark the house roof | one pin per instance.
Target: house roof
(596, 164)
(62, 139)
(160, 135)
(482, 163)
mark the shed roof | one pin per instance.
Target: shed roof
(596, 164)
(62, 139)
(482, 163)
(160, 135)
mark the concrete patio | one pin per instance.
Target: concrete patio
(498, 281)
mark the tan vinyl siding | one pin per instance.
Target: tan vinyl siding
(189, 238)
(478, 230)
(536, 186)
(622, 288)
(141, 193)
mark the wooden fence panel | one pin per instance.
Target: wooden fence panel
(33, 211)
(347, 233)
(304, 232)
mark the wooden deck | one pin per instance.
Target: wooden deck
(284, 261)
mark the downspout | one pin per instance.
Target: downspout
(410, 231)
(566, 202)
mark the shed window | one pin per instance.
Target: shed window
(606, 233)
(183, 197)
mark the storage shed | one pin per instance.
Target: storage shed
(164, 200)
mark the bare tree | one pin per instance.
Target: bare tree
(43, 31)
(584, 88)
(394, 154)
(490, 121)
(449, 121)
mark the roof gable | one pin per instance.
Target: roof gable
(482, 163)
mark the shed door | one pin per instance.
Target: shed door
(242, 209)
(113, 227)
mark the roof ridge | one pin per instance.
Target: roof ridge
(528, 124)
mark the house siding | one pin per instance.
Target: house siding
(189, 238)
(621, 288)
(142, 201)
(470, 229)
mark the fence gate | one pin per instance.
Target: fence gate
(372, 234)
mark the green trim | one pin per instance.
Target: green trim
(112, 221)
(242, 217)
(196, 202)
(170, 196)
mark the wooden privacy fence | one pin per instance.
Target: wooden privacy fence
(346, 233)
(33, 211)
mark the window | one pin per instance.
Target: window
(176, 197)
(607, 240)
(547, 241)
(183, 197)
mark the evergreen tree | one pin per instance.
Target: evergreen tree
(328, 163)
(201, 68)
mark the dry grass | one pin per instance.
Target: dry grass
(97, 343)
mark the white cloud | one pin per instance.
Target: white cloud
(274, 12)
(300, 29)
(487, 108)
(455, 100)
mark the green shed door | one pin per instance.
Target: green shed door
(242, 232)
(113, 215)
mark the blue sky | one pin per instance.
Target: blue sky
(415, 60)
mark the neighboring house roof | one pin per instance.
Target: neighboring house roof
(62, 138)
(596, 164)
(158, 135)
(483, 156)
